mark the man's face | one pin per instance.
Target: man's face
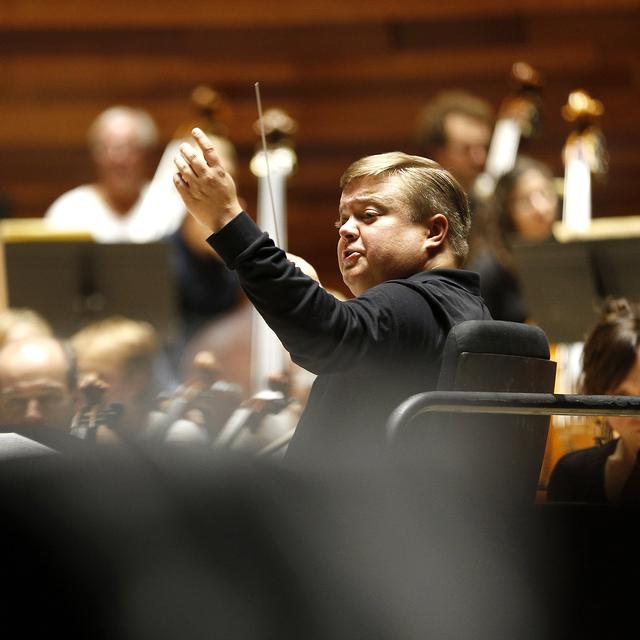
(378, 241)
(118, 154)
(35, 388)
(465, 152)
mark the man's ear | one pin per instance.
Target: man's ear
(438, 229)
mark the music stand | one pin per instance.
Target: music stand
(618, 267)
(563, 282)
(74, 283)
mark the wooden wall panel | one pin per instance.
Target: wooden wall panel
(354, 77)
(82, 13)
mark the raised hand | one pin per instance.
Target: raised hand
(207, 190)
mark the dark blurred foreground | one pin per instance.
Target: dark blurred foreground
(133, 543)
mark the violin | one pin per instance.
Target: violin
(95, 420)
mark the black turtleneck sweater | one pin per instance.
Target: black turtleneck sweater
(369, 353)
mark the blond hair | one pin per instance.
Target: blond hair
(16, 323)
(428, 189)
(133, 343)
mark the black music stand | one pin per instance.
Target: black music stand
(72, 284)
(563, 283)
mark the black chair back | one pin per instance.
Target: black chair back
(497, 453)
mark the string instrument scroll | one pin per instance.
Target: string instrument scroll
(584, 153)
(519, 117)
(272, 164)
(161, 198)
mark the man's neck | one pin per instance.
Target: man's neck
(442, 260)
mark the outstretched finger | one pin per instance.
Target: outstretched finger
(194, 160)
(206, 145)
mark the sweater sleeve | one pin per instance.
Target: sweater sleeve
(321, 333)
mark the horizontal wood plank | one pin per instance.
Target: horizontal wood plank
(80, 13)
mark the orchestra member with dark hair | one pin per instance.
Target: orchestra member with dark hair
(402, 227)
(607, 473)
(454, 129)
(523, 208)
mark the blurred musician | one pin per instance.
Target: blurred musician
(122, 353)
(523, 208)
(37, 382)
(609, 472)
(455, 130)
(120, 141)
(402, 230)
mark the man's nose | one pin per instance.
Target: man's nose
(348, 229)
(33, 414)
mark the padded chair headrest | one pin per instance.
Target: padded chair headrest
(490, 336)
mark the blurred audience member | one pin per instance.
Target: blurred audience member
(607, 473)
(120, 140)
(16, 324)
(37, 383)
(523, 209)
(454, 129)
(123, 353)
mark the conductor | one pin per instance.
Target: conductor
(402, 236)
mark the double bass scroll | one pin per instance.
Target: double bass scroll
(584, 154)
(272, 164)
(161, 198)
(268, 357)
(519, 117)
